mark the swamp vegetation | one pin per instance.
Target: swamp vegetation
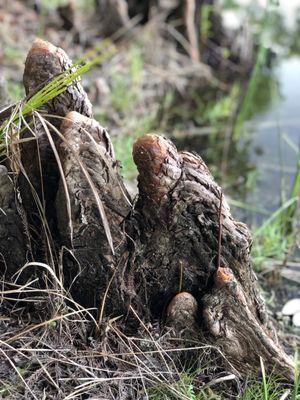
(124, 274)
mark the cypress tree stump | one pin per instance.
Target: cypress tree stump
(158, 255)
(13, 247)
(38, 182)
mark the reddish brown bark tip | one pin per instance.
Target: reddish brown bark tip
(223, 276)
(43, 61)
(73, 118)
(41, 46)
(158, 163)
(150, 152)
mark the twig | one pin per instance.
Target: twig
(219, 380)
(220, 232)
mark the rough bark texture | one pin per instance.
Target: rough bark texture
(12, 238)
(90, 170)
(177, 243)
(43, 62)
(177, 210)
(158, 256)
(39, 179)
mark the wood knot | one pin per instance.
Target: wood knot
(158, 164)
(150, 152)
(182, 311)
(223, 276)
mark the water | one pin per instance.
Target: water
(262, 166)
(273, 133)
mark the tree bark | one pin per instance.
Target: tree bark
(99, 205)
(39, 177)
(13, 246)
(167, 256)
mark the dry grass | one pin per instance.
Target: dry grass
(56, 350)
(51, 347)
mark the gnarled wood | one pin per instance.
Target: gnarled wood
(43, 62)
(176, 248)
(160, 255)
(99, 204)
(239, 331)
(13, 246)
(177, 215)
(39, 179)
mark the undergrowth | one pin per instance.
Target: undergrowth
(54, 351)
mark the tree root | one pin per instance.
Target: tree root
(158, 256)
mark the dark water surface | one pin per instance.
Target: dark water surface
(262, 165)
(273, 134)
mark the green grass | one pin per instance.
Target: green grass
(216, 111)
(126, 89)
(125, 94)
(123, 145)
(126, 99)
(205, 22)
(247, 103)
(15, 90)
(184, 389)
(276, 236)
(291, 210)
(296, 387)
(269, 387)
(12, 53)
(54, 88)
(271, 240)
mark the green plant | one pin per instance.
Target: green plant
(123, 144)
(4, 392)
(222, 108)
(12, 53)
(270, 239)
(126, 86)
(264, 380)
(295, 391)
(217, 110)
(52, 89)
(205, 22)
(270, 388)
(249, 102)
(15, 90)
(183, 389)
(252, 85)
(291, 210)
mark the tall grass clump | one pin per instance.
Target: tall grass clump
(271, 240)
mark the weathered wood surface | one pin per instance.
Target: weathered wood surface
(38, 183)
(13, 246)
(99, 205)
(158, 255)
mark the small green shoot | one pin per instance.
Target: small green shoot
(56, 86)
